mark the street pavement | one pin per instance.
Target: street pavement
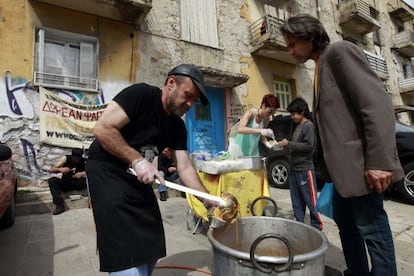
(66, 244)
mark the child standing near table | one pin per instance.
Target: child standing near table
(302, 176)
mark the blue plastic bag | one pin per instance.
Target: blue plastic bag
(324, 204)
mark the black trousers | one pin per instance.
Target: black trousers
(57, 186)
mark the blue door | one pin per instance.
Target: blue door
(205, 124)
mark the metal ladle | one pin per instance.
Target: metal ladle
(222, 202)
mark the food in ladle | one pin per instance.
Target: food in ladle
(229, 212)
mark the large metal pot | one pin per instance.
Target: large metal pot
(253, 163)
(268, 246)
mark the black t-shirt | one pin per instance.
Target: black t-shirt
(149, 123)
(164, 163)
(79, 167)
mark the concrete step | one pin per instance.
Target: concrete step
(33, 196)
(27, 194)
(39, 200)
(34, 200)
(47, 206)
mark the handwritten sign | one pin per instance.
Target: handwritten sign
(66, 124)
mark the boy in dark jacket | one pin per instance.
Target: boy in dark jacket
(302, 176)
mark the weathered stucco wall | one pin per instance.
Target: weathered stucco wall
(328, 13)
(16, 37)
(161, 47)
(263, 71)
(19, 100)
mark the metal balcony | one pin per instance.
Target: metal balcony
(400, 10)
(404, 43)
(378, 64)
(406, 85)
(131, 11)
(267, 39)
(358, 16)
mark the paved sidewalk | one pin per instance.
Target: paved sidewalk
(66, 244)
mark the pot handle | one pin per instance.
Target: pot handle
(263, 198)
(267, 268)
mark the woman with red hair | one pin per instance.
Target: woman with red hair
(253, 128)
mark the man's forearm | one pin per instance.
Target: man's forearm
(55, 170)
(113, 142)
(248, 130)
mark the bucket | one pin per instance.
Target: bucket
(268, 246)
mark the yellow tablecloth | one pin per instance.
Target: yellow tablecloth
(245, 185)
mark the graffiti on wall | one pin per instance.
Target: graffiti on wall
(15, 103)
(80, 97)
(19, 110)
(13, 100)
(204, 142)
(30, 168)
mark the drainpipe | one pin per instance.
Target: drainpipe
(318, 9)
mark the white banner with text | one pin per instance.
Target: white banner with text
(66, 124)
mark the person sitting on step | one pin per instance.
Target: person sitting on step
(72, 168)
(166, 165)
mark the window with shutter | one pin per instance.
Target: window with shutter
(199, 22)
(283, 91)
(66, 60)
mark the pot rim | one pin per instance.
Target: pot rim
(271, 259)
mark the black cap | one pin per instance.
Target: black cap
(191, 71)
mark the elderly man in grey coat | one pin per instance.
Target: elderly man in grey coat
(355, 124)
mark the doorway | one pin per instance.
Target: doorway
(205, 124)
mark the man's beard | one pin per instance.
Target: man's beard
(176, 109)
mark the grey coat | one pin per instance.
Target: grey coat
(354, 118)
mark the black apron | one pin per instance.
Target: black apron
(127, 216)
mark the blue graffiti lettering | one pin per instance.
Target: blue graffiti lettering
(30, 154)
(10, 89)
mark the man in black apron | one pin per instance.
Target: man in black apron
(128, 220)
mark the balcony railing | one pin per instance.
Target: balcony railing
(267, 39)
(378, 64)
(267, 28)
(400, 10)
(404, 43)
(406, 85)
(358, 16)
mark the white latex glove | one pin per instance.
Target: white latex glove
(267, 132)
(147, 173)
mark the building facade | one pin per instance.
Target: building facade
(87, 51)
(383, 29)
